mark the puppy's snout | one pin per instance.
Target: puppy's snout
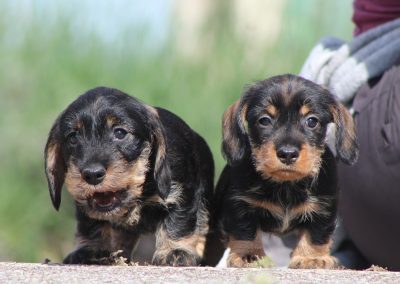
(288, 154)
(94, 174)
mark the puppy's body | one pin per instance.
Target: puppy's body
(279, 207)
(281, 176)
(132, 169)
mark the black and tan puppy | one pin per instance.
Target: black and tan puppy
(131, 169)
(281, 176)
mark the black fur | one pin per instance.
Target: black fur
(243, 178)
(108, 130)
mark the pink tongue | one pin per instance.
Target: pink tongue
(104, 199)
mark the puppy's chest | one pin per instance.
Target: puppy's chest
(288, 218)
(151, 209)
(283, 211)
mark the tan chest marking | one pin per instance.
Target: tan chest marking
(305, 210)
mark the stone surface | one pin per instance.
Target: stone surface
(54, 273)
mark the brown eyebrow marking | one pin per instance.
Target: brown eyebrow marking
(272, 110)
(304, 110)
(111, 120)
(78, 124)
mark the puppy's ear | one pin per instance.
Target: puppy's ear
(54, 165)
(346, 141)
(162, 173)
(234, 141)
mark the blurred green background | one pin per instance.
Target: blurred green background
(192, 57)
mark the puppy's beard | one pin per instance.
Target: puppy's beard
(270, 167)
(123, 178)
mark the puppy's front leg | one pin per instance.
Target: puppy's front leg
(92, 243)
(244, 252)
(241, 233)
(310, 252)
(183, 251)
(96, 240)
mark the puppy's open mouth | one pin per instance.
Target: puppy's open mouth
(105, 201)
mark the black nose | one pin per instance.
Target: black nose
(288, 154)
(94, 174)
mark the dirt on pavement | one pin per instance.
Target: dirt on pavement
(56, 273)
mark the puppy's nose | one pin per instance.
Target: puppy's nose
(94, 174)
(288, 154)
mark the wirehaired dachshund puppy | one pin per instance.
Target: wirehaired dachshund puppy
(281, 176)
(131, 169)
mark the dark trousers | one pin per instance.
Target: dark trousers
(369, 202)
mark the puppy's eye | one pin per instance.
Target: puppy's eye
(312, 121)
(265, 120)
(120, 133)
(72, 139)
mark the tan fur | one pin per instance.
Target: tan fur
(286, 215)
(152, 110)
(307, 209)
(78, 125)
(161, 144)
(51, 157)
(111, 121)
(243, 119)
(203, 217)
(304, 110)
(244, 252)
(272, 110)
(174, 197)
(193, 244)
(273, 208)
(161, 151)
(133, 217)
(228, 120)
(119, 176)
(350, 135)
(268, 164)
(308, 255)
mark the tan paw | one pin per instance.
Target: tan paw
(309, 262)
(177, 257)
(236, 260)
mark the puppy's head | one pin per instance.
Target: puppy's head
(102, 146)
(281, 123)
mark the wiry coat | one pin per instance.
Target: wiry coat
(281, 175)
(132, 169)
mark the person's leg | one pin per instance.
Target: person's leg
(370, 190)
(345, 251)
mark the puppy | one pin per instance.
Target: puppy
(281, 176)
(131, 169)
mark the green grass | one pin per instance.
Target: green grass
(45, 70)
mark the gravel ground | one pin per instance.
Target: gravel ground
(54, 273)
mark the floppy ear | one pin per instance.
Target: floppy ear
(54, 165)
(162, 174)
(233, 133)
(346, 141)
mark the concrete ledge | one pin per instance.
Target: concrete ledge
(54, 273)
